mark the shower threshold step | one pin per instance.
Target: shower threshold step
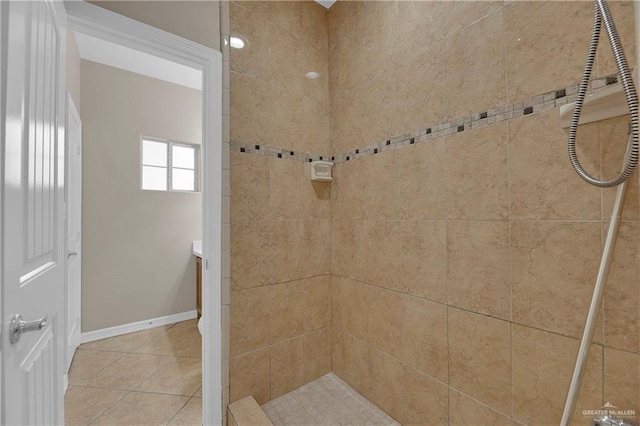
(326, 401)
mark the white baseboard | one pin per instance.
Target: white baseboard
(119, 330)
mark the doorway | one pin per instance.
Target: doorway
(99, 23)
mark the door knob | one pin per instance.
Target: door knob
(18, 326)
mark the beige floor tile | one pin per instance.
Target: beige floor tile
(179, 376)
(143, 408)
(190, 414)
(127, 372)
(126, 342)
(177, 341)
(88, 363)
(198, 394)
(83, 405)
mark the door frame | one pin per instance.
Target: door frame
(98, 22)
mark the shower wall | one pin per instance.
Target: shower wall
(280, 335)
(464, 248)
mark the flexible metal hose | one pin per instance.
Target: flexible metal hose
(602, 14)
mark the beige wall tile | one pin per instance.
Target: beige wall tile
(385, 319)
(250, 374)
(286, 366)
(316, 197)
(422, 24)
(317, 302)
(382, 108)
(346, 121)
(287, 245)
(387, 387)
(250, 311)
(542, 367)
(382, 246)
(346, 248)
(250, 187)
(613, 144)
(554, 266)
(477, 47)
(315, 121)
(355, 306)
(382, 35)
(284, 66)
(315, 24)
(424, 337)
(543, 184)
(252, 60)
(477, 164)
(622, 379)
(532, 27)
(251, 108)
(285, 128)
(424, 259)
(622, 292)
(622, 13)
(317, 354)
(287, 310)
(423, 180)
(466, 411)
(317, 247)
(382, 195)
(286, 189)
(478, 267)
(250, 254)
(424, 399)
(480, 353)
(348, 201)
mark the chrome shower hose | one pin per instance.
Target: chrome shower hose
(602, 14)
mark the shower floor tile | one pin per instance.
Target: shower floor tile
(325, 401)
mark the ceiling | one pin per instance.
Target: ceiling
(117, 56)
(326, 3)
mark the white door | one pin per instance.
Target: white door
(74, 227)
(33, 240)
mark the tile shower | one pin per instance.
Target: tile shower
(445, 273)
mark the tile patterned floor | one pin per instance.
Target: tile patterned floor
(149, 377)
(325, 401)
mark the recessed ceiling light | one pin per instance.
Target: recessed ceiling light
(312, 75)
(236, 42)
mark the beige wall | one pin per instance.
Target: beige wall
(73, 68)
(198, 21)
(137, 261)
(463, 265)
(280, 235)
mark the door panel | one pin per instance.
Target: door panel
(32, 198)
(74, 228)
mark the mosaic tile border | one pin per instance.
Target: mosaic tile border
(495, 115)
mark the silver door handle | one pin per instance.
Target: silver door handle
(18, 326)
(72, 253)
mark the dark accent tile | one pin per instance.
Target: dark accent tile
(428, 131)
(561, 93)
(310, 160)
(291, 153)
(412, 141)
(375, 150)
(242, 150)
(460, 128)
(388, 142)
(333, 158)
(528, 110)
(357, 151)
(347, 158)
(279, 155)
(320, 158)
(257, 147)
(483, 115)
(612, 79)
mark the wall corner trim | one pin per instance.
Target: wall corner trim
(118, 330)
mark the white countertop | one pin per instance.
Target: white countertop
(197, 248)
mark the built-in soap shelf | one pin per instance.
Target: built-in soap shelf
(321, 171)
